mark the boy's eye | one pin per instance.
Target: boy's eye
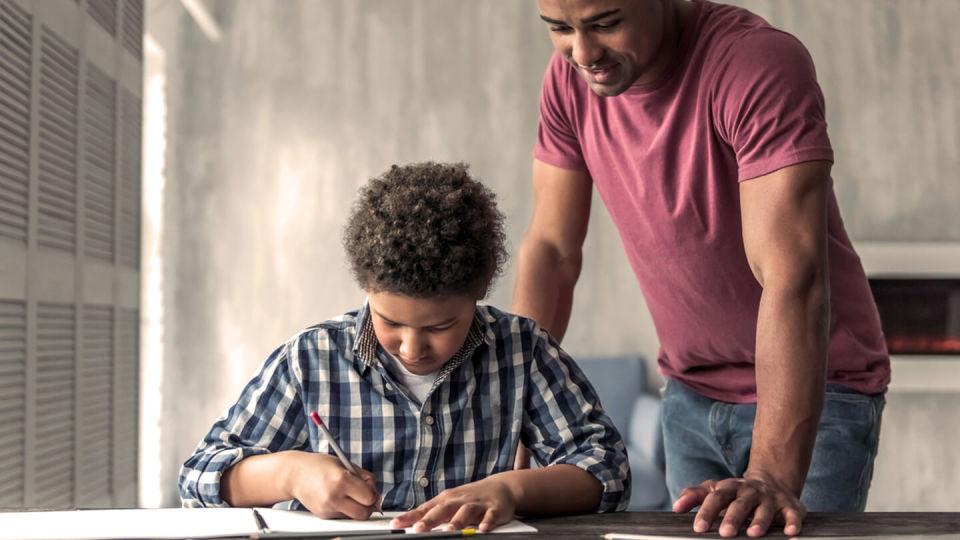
(391, 324)
(439, 328)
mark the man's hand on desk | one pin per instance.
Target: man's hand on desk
(755, 496)
(486, 504)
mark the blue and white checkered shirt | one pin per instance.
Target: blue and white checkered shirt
(509, 383)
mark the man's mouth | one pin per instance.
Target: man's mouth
(601, 74)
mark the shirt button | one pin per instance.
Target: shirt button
(424, 481)
(389, 387)
(429, 420)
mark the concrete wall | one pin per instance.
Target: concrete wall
(271, 129)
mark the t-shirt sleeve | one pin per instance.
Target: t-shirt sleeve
(557, 143)
(768, 105)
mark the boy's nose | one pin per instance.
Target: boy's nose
(412, 347)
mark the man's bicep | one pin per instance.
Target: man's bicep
(784, 221)
(561, 210)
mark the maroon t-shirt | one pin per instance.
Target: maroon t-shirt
(667, 159)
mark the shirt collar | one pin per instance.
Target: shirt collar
(365, 346)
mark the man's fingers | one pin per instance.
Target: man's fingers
(737, 511)
(691, 497)
(792, 519)
(762, 518)
(715, 502)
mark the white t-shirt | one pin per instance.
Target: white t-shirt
(418, 385)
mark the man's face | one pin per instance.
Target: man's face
(612, 44)
(421, 333)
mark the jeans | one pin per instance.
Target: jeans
(706, 439)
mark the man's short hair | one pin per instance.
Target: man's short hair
(425, 230)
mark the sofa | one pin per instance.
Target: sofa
(621, 383)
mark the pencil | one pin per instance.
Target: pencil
(626, 536)
(336, 449)
(413, 536)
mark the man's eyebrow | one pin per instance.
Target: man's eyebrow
(588, 20)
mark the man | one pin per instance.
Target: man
(703, 130)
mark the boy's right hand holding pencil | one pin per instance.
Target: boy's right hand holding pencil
(322, 484)
(319, 481)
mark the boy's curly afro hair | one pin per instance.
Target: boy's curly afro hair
(425, 230)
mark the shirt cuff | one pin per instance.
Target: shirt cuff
(615, 481)
(207, 481)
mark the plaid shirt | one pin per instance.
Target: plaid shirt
(509, 383)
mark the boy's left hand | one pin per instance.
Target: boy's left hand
(486, 504)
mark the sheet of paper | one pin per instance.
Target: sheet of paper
(127, 523)
(294, 521)
(181, 523)
(629, 536)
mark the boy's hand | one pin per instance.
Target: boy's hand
(328, 490)
(487, 503)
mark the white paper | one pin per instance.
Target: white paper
(296, 521)
(127, 523)
(182, 523)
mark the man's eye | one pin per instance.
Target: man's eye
(607, 25)
(560, 29)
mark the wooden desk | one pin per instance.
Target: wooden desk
(816, 524)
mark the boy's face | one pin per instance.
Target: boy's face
(422, 334)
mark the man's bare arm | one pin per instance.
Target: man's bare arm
(550, 256)
(784, 220)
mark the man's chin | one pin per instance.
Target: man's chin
(606, 90)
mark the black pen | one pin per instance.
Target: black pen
(265, 532)
(261, 524)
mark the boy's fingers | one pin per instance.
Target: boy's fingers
(409, 518)
(360, 491)
(438, 515)
(352, 509)
(468, 515)
(493, 518)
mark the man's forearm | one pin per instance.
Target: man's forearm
(557, 489)
(544, 286)
(792, 337)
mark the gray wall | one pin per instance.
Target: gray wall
(271, 130)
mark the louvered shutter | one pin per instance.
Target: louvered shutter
(70, 107)
(15, 71)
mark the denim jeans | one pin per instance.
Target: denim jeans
(707, 439)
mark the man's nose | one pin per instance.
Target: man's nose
(586, 51)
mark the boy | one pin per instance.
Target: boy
(427, 392)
